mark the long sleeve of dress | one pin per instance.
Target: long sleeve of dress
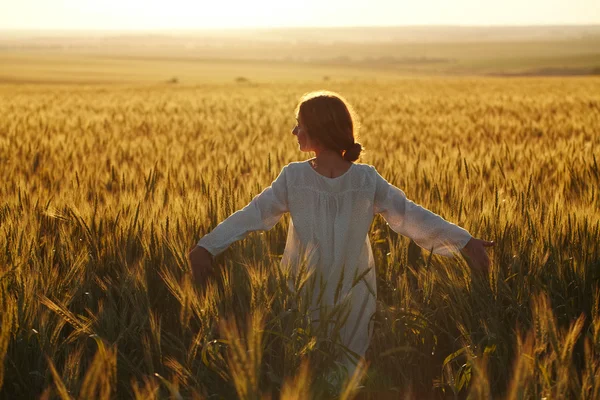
(427, 229)
(261, 214)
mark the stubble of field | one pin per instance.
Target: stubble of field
(105, 189)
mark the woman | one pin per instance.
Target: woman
(332, 202)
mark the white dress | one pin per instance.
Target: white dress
(330, 221)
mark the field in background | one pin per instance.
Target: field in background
(106, 187)
(296, 54)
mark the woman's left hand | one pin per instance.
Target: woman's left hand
(475, 253)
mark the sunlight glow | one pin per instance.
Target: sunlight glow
(186, 14)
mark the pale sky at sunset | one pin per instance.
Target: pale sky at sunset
(199, 14)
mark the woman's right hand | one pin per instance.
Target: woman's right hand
(201, 264)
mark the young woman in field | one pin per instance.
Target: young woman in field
(332, 202)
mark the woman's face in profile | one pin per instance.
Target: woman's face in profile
(303, 139)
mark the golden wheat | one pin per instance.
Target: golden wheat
(104, 189)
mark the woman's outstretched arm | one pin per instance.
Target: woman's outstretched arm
(261, 214)
(429, 230)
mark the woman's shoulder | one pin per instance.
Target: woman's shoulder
(299, 166)
(365, 167)
(295, 166)
(361, 177)
(301, 173)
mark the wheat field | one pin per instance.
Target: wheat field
(106, 187)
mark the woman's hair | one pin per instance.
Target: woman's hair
(330, 121)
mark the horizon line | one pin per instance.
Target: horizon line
(232, 28)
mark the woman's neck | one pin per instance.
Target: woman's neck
(328, 157)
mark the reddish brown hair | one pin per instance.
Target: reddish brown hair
(330, 121)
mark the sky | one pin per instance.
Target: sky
(202, 14)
